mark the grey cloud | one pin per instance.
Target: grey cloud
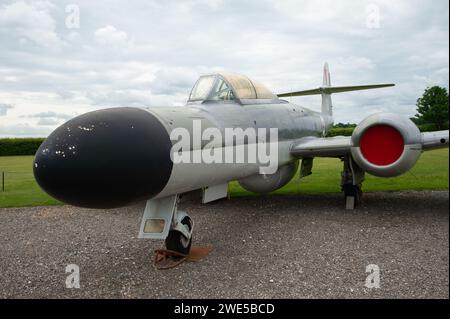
(48, 121)
(50, 115)
(4, 108)
(24, 130)
(173, 80)
(151, 53)
(120, 98)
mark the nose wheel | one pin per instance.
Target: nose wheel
(179, 238)
(163, 220)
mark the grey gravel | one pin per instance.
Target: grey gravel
(305, 246)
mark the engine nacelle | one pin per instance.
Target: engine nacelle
(386, 144)
(268, 183)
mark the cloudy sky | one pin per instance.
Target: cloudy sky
(55, 64)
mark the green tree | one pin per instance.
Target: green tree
(432, 107)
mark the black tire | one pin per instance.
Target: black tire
(177, 242)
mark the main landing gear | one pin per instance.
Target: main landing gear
(163, 220)
(351, 182)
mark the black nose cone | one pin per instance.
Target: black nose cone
(104, 159)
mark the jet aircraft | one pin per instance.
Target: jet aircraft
(118, 156)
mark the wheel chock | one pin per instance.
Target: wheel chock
(167, 259)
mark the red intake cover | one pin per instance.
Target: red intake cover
(381, 145)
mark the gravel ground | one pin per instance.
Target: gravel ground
(304, 246)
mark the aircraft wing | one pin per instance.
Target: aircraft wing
(434, 140)
(339, 146)
(321, 147)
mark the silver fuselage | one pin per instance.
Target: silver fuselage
(291, 121)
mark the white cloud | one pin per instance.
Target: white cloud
(110, 36)
(30, 21)
(150, 53)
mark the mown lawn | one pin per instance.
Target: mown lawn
(430, 173)
(20, 187)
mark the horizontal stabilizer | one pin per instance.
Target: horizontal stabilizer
(335, 89)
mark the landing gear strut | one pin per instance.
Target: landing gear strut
(351, 182)
(163, 220)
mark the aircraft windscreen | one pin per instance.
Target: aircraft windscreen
(222, 91)
(202, 88)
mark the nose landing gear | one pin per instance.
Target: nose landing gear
(179, 238)
(162, 220)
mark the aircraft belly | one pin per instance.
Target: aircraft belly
(201, 175)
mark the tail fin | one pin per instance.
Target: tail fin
(327, 103)
(326, 90)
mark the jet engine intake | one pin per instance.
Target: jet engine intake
(386, 144)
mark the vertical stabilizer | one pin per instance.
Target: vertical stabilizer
(327, 106)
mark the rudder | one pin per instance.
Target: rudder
(327, 103)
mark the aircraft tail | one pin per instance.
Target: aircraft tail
(327, 103)
(326, 90)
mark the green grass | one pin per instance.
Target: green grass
(430, 173)
(20, 187)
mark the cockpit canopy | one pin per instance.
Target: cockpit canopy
(226, 86)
